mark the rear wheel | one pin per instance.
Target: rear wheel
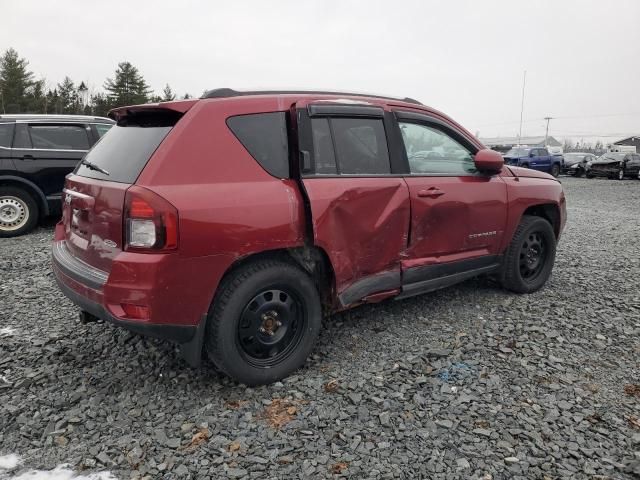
(589, 174)
(18, 212)
(264, 322)
(530, 257)
(555, 170)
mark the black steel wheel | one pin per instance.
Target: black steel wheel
(529, 259)
(532, 256)
(264, 321)
(555, 170)
(271, 326)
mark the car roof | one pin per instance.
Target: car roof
(229, 93)
(53, 118)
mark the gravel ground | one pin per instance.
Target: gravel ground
(468, 382)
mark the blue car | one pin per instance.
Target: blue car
(536, 158)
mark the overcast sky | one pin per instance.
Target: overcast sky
(466, 58)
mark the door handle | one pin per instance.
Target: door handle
(432, 192)
(27, 157)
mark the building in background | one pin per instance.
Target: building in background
(504, 144)
(630, 141)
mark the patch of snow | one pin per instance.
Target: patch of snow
(7, 332)
(9, 462)
(61, 472)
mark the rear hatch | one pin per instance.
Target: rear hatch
(94, 194)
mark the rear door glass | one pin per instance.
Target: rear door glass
(361, 146)
(264, 135)
(59, 137)
(6, 134)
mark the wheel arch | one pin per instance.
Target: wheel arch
(29, 187)
(312, 259)
(548, 211)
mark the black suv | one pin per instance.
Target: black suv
(36, 153)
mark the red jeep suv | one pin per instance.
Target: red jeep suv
(233, 222)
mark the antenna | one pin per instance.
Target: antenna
(524, 80)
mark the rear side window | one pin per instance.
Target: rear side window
(102, 128)
(6, 134)
(264, 135)
(351, 146)
(21, 138)
(128, 147)
(59, 137)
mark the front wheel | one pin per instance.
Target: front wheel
(621, 174)
(18, 212)
(589, 174)
(264, 322)
(530, 256)
(555, 170)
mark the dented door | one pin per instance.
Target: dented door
(362, 224)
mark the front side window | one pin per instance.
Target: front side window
(264, 135)
(59, 137)
(430, 150)
(6, 134)
(350, 146)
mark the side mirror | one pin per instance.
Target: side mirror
(488, 161)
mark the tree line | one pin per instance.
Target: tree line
(21, 92)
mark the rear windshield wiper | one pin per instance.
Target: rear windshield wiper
(93, 166)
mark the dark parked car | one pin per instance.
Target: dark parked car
(615, 165)
(536, 158)
(237, 220)
(36, 153)
(577, 163)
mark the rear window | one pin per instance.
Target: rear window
(264, 135)
(127, 147)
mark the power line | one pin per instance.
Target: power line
(511, 122)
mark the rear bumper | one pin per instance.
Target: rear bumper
(85, 286)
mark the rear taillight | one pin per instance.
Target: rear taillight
(150, 221)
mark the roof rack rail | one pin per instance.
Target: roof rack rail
(230, 92)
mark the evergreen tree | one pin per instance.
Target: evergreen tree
(167, 94)
(186, 96)
(15, 82)
(36, 100)
(128, 87)
(68, 96)
(100, 104)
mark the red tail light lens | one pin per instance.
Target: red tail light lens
(150, 221)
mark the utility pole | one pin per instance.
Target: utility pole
(524, 80)
(546, 133)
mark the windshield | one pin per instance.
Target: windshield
(518, 152)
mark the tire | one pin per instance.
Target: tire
(19, 212)
(555, 170)
(620, 175)
(245, 337)
(530, 256)
(589, 175)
